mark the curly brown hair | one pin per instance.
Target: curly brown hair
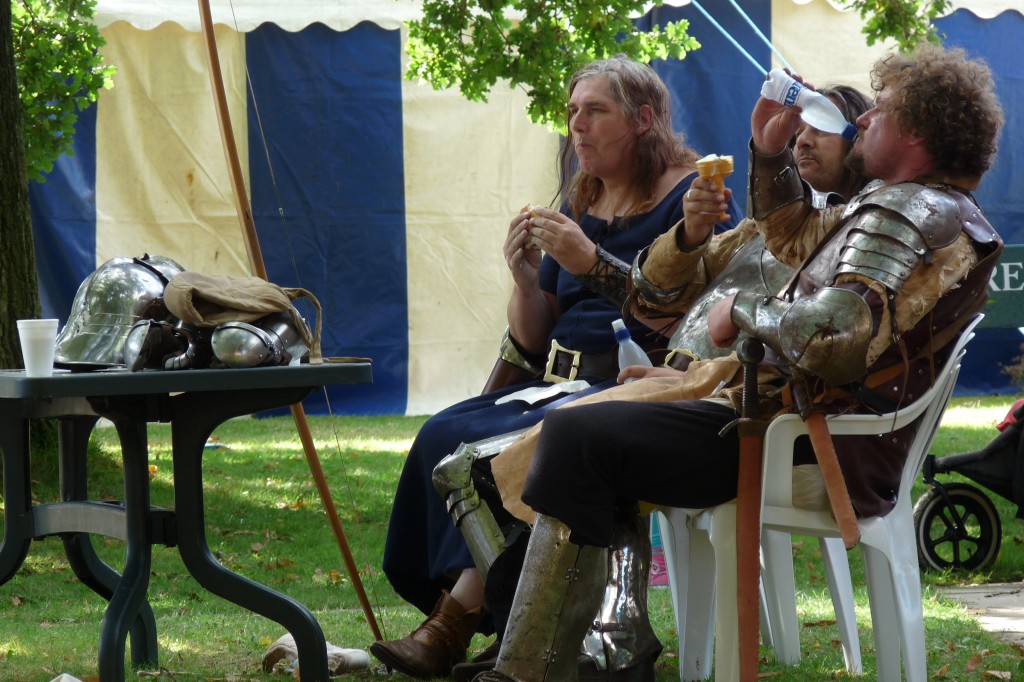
(947, 98)
(632, 84)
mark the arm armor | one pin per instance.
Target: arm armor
(885, 236)
(648, 290)
(607, 277)
(510, 353)
(774, 183)
(453, 481)
(826, 333)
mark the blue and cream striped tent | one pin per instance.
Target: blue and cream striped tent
(389, 200)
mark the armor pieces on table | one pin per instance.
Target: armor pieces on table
(271, 340)
(155, 344)
(109, 301)
(119, 318)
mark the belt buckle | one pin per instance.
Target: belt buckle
(549, 369)
(670, 359)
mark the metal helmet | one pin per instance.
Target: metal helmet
(118, 294)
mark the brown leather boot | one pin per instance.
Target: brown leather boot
(432, 649)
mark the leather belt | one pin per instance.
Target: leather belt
(567, 365)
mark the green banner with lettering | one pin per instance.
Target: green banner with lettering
(1005, 307)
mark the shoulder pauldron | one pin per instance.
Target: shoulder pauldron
(934, 213)
(885, 245)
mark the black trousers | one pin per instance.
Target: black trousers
(594, 459)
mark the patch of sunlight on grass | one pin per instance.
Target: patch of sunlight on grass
(362, 444)
(975, 415)
(236, 446)
(11, 647)
(378, 444)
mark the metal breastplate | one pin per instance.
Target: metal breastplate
(753, 269)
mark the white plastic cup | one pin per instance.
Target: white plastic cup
(38, 338)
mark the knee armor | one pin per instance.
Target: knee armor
(453, 481)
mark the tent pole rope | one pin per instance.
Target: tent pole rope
(258, 268)
(760, 34)
(728, 37)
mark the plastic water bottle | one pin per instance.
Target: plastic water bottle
(630, 353)
(816, 109)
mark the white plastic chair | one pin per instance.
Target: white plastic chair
(697, 561)
(696, 542)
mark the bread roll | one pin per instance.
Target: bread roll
(531, 243)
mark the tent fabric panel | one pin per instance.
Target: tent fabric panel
(64, 222)
(824, 44)
(162, 183)
(470, 167)
(340, 16)
(983, 8)
(714, 88)
(997, 40)
(329, 105)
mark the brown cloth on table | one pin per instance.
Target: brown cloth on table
(210, 300)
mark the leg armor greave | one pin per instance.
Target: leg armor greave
(453, 481)
(556, 601)
(621, 635)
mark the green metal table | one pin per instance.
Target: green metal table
(194, 403)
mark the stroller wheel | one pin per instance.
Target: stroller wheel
(959, 529)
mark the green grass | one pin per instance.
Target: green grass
(266, 521)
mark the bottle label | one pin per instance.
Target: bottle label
(789, 99)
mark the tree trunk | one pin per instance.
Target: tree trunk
(19, 292)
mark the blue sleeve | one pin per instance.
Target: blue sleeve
(549, 269)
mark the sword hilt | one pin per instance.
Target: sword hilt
(750, 352)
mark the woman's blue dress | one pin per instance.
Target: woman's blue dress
(424, 551)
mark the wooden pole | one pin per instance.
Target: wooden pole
(258, 269)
